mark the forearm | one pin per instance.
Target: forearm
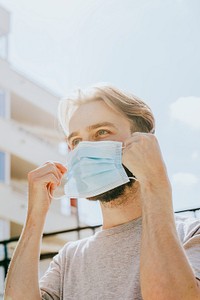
(22, 279)
(165, 271)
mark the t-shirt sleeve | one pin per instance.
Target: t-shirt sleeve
(51, 282)
(189, 233)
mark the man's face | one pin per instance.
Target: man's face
(96, 121)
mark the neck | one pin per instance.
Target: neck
(122, 209)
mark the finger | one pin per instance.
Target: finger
(134, 137)
(55, 168)
(61, 167)
(51, 187)
(137, 137)
(50, 179)
(44, 173)
(58, 165)
(52, 168)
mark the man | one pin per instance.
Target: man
(142, 252)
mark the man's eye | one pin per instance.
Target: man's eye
(102, 132)
(75, 142)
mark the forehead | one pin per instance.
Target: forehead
(94, 112)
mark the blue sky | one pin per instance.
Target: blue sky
(150, 48)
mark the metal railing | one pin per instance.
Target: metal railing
(194, 210)
(6, 260)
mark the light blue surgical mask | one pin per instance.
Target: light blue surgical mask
(95, 168)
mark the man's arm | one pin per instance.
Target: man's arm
(22, 279)
(165, 273)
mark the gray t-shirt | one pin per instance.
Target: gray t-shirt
(106, 265)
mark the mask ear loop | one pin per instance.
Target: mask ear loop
(133, 178)
(52, 197)
(123, 145)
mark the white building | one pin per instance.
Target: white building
(29, 136)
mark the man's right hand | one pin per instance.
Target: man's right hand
(42, 183)
(24, 266)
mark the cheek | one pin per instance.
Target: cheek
(122, 137)
(125, 135)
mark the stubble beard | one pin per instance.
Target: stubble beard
(116, 193)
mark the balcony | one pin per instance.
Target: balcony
(17, 139)
(13, 203)
(4, 22)
(31, 91)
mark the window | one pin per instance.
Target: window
(4, 47)
(2, 166)
(2, 104)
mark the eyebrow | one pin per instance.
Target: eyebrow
(91, 127)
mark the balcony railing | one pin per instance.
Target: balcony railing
(5, 243)
(25, 143)
(4, 263)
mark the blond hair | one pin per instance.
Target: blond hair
(133, 108)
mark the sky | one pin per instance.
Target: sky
(148, 47)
